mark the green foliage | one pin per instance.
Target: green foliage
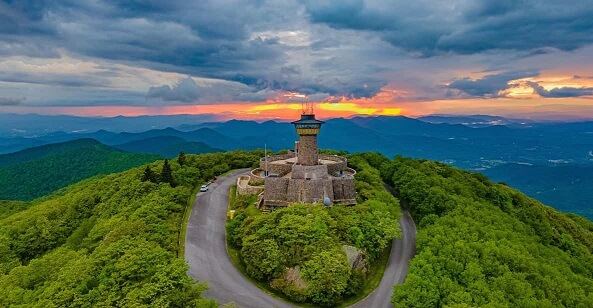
(7, 207)
(298, 250)
(45, 150)
(484, 244)
(149, 175)
(327, 274)
(52, 167)
(167, 174)
(181, 158)
(167, 146)
(108, 242)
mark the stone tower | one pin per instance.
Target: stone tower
(308, 128)
(302, 176)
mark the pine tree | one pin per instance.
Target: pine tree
(181, 158)
(148, 175)
(166, 174)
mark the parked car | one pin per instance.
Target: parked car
(204, 188)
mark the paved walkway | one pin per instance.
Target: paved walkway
(205, 251)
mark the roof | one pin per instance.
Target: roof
(308, 119)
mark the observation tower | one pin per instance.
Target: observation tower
(308, 128)
(302, 175)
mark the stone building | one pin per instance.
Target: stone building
(302, 175)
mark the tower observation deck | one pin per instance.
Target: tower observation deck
(308, 128)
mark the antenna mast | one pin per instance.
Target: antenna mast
(266, 157)
(307, 107)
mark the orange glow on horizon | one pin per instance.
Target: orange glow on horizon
(520, 100)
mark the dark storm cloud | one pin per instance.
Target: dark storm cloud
(430, 27)
(488, 86)
(560, 92)
(12, 101)
(346, 48)
(186, 90)
(67, 80)
(205, 37)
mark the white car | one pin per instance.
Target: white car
(204, 188)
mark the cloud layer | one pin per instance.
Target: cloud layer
(142, 52)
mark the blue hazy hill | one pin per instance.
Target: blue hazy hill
(476, 143)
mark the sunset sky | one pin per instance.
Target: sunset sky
(260, 59)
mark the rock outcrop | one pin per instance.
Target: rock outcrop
(355, 257)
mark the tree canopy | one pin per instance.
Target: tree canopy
(485, 244)
(45, 169)
(298, 250)
(111, 241)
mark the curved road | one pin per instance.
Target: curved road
(205, 251)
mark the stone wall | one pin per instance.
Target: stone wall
(308, 151)
(336, 167)
(278, 157)
(243, 189)
(339, 163)
(280, 169)
(344, 188)
(276, 189)
(333, 158)
(309, 191)
(255, 179)
(309, 172)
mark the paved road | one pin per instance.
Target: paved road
(402, 251)
(205, 251)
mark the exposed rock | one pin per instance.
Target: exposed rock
(355, 257)
(293, 275)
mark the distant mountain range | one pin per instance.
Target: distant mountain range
(476, 120)
(168, 146)
(498, 147)
(467, 147)
(34, 125)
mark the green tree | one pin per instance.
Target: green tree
(181, 158)
(149, 175)
(105, 242)
(167, 174)
(327, 275)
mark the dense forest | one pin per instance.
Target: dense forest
(300, 250)
(114, 240)
(484, 244)
(108, 242)
(42, 170)
(44, 150)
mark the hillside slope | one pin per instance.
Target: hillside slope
(108, 242)
(45, 169)
(168, 146)
(44, 150)
(482, 244)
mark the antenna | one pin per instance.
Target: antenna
(266, 156)
(307, 107)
